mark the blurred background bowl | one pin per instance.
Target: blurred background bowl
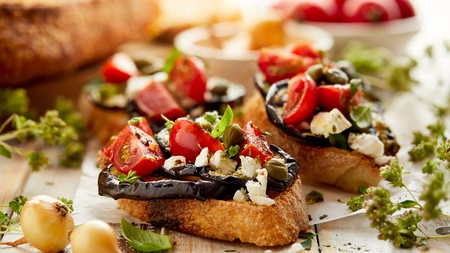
(231, 58)
(393, 35)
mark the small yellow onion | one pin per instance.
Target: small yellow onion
(94, 236)
(46, 223)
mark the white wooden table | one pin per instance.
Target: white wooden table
(351, 234)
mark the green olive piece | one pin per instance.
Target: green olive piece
(233, 135)
(220, 87)
(348, 69)
(277, 169)
(336, 76)
(316, 72)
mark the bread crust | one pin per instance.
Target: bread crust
(43, 38)
(330, 165)
(278, 224)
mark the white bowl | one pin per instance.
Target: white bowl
(236, 63)
(393, 35)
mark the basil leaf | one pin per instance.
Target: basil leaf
(5, 152)
(338, 140)
(355, 86)
(145, 241)
(362, 116)
(225, 121)
(363, 189)
(307, 235)
(168, 65)
(233, 151)
(211, 117)
(307, 244)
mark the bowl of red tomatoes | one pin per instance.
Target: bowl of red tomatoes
(230, 50)
(379, 23)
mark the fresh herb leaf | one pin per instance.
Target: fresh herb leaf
(130, 178)
(168, 65)
(357, 203)
(362, 116)
(323, 216)
(17, 203)
(145, 241)
(424, 145)
(14, 101)
(233, 151)
(67, 202)
(211, 117)
(307, 235)
(355, 86)
(169, 123)
(225, 121)
(307, 244)
(393, 173)
(338, 140)
(408, 204)
(4, 151)
(429, 51)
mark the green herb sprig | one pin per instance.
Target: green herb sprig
(144, 241)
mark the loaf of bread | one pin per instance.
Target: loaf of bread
(40, 38)
(339, 167)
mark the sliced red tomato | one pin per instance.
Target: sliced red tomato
(142, 123)
(370, 10)
(189, 75)
(277, 65)
(137, 151)
(187, 139)
(338, 96)
(302, 101)
(119, 68)
(306, 50)
(255, 144)
(155, 100)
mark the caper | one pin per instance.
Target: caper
(233, 135)
(219, 86)
(316, 72)
(277, 169)
(335, 76)
(348, 69)
(206, 125)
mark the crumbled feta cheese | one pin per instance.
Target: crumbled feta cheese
(202, 158)
(135, 84)
(240, 195)
(174, 161)
(382, 160)
(326, 123)
(223, 163)
(249, 166)
(366, 144)
(257, 190)
(118, 100)
(263, 201)
(296, 248)
(160, 77)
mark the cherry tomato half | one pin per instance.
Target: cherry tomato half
(119, 68)
(306, 50)
(317, 11)
(255, 143)
(142, 123)
(338, 96)
(135, 150)
(187, 139)
(303, 98)
(189, 75)
(277, 65)
(406, 8)
(155, 100)
(370, 10)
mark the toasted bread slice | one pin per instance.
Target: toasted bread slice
(278, 224)
(339, 167)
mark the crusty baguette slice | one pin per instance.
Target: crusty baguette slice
(101, 122)
(342, 168)
(40, 38)
(278, 224)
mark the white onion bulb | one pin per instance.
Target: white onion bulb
(46, 223)
(94, 236)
